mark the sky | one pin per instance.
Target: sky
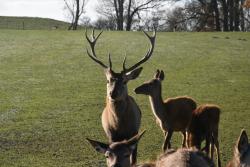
(41, 8)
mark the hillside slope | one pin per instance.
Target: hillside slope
(31, 23)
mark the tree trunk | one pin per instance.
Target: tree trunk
(242, 18)
(119, 13)
(217, 15)
(129, 19)
(231, 14)
(75, 24)
(225, 15)
(236, 16)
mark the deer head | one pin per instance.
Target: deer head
(117, 82)
(242, 149)
(152, 86)
(118, 154)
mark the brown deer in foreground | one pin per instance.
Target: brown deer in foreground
(204, 126)
(121, 117)
(118, 154)
(241, 157)
(184, 158)
(174, 114)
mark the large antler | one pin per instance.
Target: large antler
(146, 57)
(92, 43)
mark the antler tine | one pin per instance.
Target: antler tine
(147, 56)
(92, 43)
(110, 62)
(124, 63)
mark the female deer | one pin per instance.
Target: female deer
(204, 126)
(118, 154)
(174, 114)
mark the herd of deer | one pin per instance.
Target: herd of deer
(121, 119)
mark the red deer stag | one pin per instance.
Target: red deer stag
(174, 114)
(121, 117)
(118, 154)
(204, 126)
(241, 157)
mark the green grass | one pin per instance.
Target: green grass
(52, 95)
(31, 23)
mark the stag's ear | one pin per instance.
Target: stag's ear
(132, 143)
(157, 73)
(161, 75)
(242, 143)
(133, 74)
(98, 146)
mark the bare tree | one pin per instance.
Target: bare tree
(75, 9)
(125, 11)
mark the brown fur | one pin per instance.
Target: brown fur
(118, 154)
(184, 158)
(241, 156)
(174, 114)
(205, 126)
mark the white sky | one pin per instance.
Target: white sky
(41, 8)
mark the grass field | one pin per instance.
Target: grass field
(52, 95)
(31, 23)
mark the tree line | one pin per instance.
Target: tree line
(166, 15)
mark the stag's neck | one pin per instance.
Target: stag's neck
(157, 105)
(118, 107)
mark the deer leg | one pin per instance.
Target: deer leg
(184, 141)
(134, 156)
(216, 142)
(211, 147)
(168, 135)
(207, 145)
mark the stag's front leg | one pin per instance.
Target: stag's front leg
(134, 156)
(168, 135)
(184, 141)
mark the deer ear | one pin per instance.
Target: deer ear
(157, 73)
(132, 143)
(133, 74)
(98, 146)
(242, 144)
(161, 75)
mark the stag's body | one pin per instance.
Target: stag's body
(184, 158)
(121, 117)
(173, 114)
(204, 126)
(241, 157)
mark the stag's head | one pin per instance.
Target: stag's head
(117, 82)
(153, 86)
(118, 154)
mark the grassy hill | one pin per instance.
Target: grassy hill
(52, 95)
(31, 23)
